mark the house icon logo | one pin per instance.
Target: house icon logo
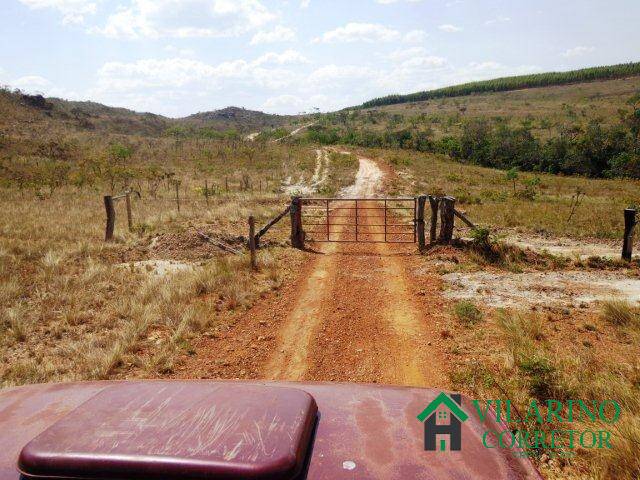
(443, 417)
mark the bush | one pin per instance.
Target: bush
(467, 312)
(481, 236)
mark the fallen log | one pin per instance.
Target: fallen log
(220, 245)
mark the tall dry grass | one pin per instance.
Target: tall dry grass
(70, 311)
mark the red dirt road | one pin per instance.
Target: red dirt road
(355, 313)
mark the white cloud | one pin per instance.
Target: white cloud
(578, 51)
(283, 102)
(492, 69)
(415, 36)
(287, 57)
(498, 19)
(427, 62)
(186, 18)
(360, 32)
(181, 52)
(305, 3)
(32, 84)
(73, 11)
(389, 2)
(331, 75)
(405, 53)
(278, 34)
(35, 84)
(449, 28)
(183, 73)
(297, 104)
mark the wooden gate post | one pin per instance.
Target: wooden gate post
(629, 228)
(422, 199)
(252, 242)
(129, 217)
(297, 234)
(434, 202)
(447, 216)
(111, 218)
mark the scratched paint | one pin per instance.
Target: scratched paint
(340, 436)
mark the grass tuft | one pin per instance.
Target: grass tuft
(620, 312)
(467, 312)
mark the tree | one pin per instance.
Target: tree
(512, 174)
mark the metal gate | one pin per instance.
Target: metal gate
(365, 220)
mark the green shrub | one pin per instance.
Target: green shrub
(467, 312)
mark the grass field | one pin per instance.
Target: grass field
(547, 108)
(73, 307)
(535, 203)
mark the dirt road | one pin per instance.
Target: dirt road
(355, 313)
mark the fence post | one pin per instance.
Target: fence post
(178, 195)
(629, 230)
(297, 234)
(252, 242)
(129, 216)
(206, 191)
(111, 218)
(422, 199)
(434, 202)
(447, 216)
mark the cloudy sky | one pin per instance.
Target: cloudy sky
(177, 57)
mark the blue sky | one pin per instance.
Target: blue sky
(177, 57)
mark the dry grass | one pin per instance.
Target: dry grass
(546, 108)
(70, 311)
(531, 355)
(621, 313)
(486, 195)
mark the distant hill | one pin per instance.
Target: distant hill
(23, 113)
(513, 83)
(239, 118)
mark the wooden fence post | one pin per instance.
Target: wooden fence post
(252, 242)
(297, 234)
(422, 199)
(111, 218)
(129, 216)
(434, 202)
(629, 228)
(178, 195)
(447, 218)
(206, 191)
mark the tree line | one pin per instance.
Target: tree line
(591, 150)
(513, 83)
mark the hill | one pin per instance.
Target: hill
(589, 128)
(238, 118)
(514, 83)
(25, 114)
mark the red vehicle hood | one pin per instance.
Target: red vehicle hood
(347, 431)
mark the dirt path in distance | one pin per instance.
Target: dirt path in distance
(354, 314)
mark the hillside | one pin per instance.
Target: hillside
(238, 118)
(25, 114)
(515, 83)
(546, 109)
(589, 128)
